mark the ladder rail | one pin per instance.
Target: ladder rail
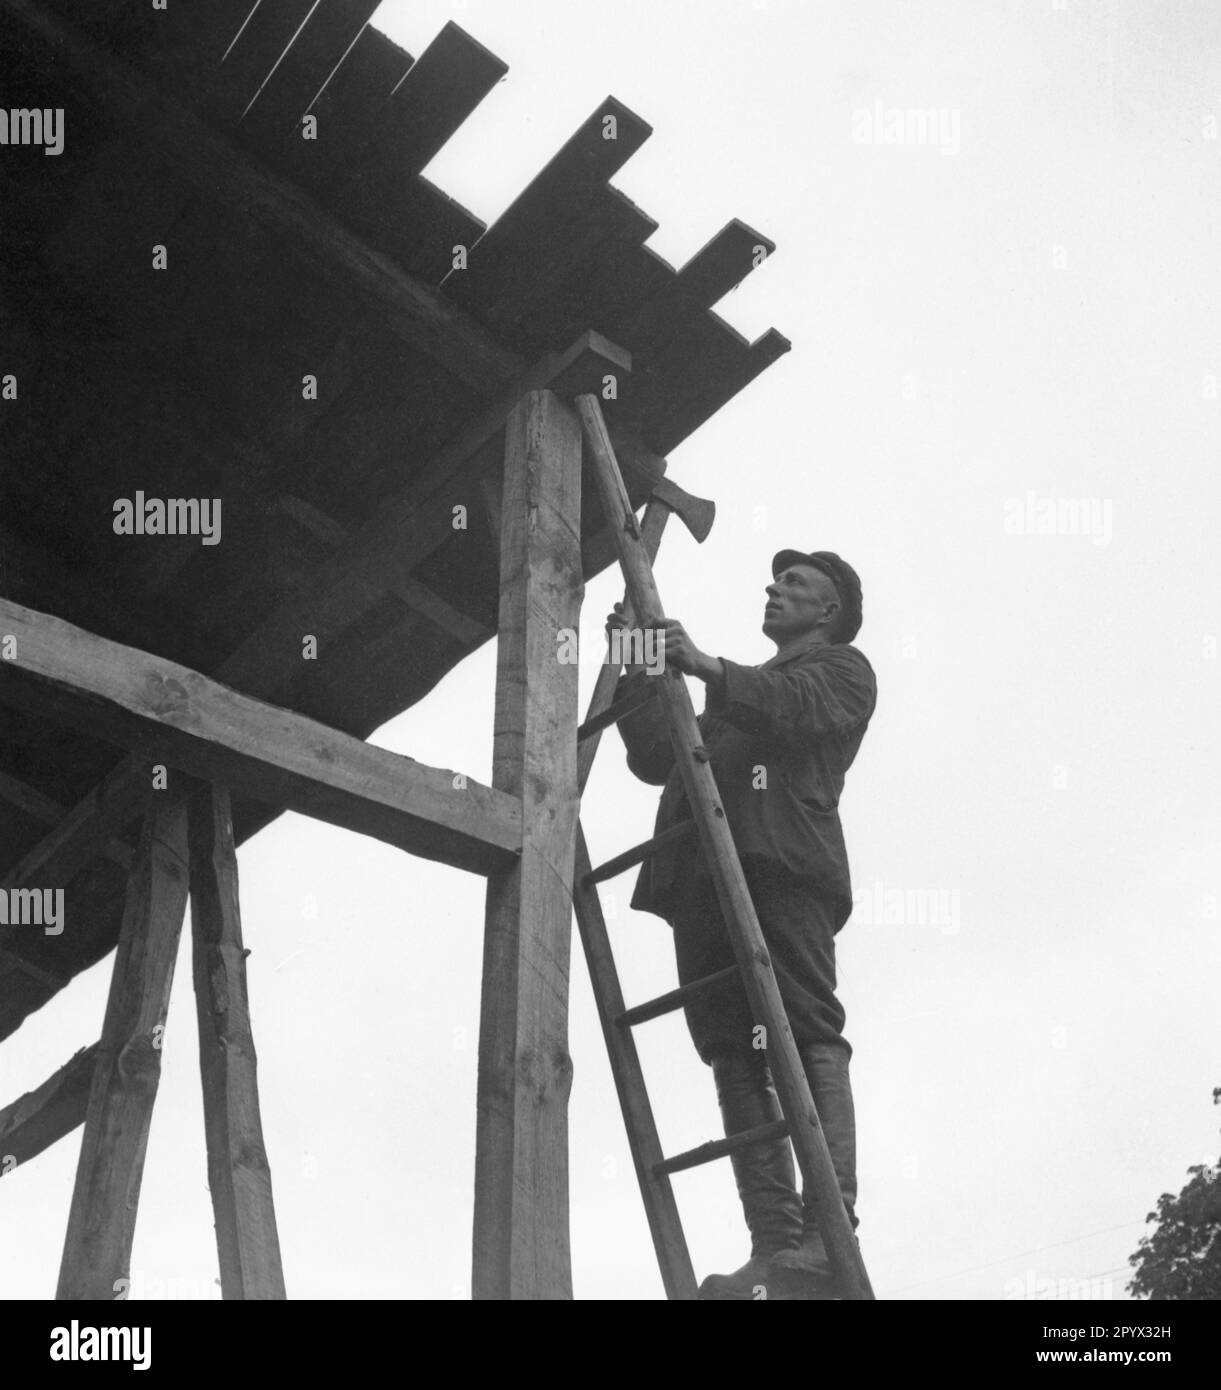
(750, 950)
(657, 1194)
(644, 1143)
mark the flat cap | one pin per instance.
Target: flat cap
(846, 580)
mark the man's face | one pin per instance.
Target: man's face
(800, 600)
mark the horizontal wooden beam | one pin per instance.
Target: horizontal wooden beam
(171, 713)
(37, 1119)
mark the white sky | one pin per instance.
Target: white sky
(1034, 314)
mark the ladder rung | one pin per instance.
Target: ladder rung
(640, 853)
(718, 1148)
(667, 1003)
(615, 711)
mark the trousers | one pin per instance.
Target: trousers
(799, 927)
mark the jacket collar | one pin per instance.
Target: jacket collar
(798, 647)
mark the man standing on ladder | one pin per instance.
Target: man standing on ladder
(780, 737)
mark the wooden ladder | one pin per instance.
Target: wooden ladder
(637, 543)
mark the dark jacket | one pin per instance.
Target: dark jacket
(781, 737)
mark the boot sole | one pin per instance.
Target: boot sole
(800, 1286)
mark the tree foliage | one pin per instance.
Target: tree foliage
(1181, 1259)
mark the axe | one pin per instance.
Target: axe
(697, 514)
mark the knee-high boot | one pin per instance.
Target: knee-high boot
(806, 1271)
(764, 1173)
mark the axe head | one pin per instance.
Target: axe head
(697, 513)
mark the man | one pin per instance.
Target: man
(781, 736)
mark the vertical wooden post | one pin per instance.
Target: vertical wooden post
(238, 1172)
(521, 1238)
(102, 1220)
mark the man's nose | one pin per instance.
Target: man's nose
(772, 591)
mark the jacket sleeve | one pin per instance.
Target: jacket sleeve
(832, 691)
(650, 754)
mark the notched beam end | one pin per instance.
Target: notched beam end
(585, 366)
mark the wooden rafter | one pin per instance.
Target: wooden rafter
(50, 812)
(418, 597)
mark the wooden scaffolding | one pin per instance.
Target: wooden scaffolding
(235, 283)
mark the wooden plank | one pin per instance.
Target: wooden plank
(120, 23)
(636, 298)
(239, 1175)
(668, 414)
(273, 123)
(102, 1219)
(721, 857)
(383, 199)
(548, 288)
(551, 209)
(440, 90)
(429, 224)
(424, 320)
(256, 49)
(608, 288)
(39, 1118)
(348, 108)
(722, 264)
(521, 1237)
(190, 722)
(186, 45)
(635, 295)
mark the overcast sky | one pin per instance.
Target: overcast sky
(1019, 315)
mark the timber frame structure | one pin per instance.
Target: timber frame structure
(235, 283)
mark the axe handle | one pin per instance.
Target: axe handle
(652, 527)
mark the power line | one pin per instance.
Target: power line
(1021, 1254)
